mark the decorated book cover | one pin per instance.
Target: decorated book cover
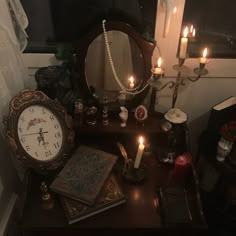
(111, 195)
(84, 174)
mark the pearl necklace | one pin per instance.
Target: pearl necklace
(132, 91)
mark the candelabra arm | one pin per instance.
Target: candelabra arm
(170, 83)
(190, 79)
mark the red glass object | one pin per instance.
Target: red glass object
(182, 167)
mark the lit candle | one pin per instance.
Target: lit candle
(158, 70)
(203, 59)
(139, 153)
(191, 29)
(194, 32)
(131, 79)
(175, 10)
(183, 44)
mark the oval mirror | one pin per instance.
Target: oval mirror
(131, 56)
(127, 60)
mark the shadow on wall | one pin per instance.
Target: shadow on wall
(8, 175)
(196, 127)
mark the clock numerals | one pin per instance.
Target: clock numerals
(56, 145)
(58, 135)
(48, 153)
(34, 127)
(22, 118)
(52, 117)
(31, 109)
(56, 126)
(22, 139)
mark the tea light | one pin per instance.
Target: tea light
(203, 59)
(158, 70)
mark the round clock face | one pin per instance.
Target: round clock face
(40, 133)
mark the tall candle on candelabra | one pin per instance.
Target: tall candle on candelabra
(183, 44)
(139, 153)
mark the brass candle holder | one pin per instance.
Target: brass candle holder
(156, 85)
(135, 175)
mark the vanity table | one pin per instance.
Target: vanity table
(142, 211)
(146, 209)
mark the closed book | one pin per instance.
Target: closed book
(84, 174)
(174, 206)
(111, 195)
(220, 114)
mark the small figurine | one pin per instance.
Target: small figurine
(91, 114)
(123, 116)
(47, 201)
(105, 120)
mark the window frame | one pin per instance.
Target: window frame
(217, 68)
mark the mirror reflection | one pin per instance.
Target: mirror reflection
(127, 59)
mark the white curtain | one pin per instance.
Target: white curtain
(13, 40)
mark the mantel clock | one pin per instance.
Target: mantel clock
(38, 130)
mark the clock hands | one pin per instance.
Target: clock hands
(40, 133)
(40, 138)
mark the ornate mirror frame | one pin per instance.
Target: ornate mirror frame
(81, 49)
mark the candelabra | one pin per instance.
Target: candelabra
(158, 73)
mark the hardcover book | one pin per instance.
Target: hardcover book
(111, 195)
(84, 174)
(220, 114)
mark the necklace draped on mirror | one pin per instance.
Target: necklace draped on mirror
(113, 60)
(132, 90)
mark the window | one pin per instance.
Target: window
(215, 25)
(168, 46)
(217, 67)
(53, 21)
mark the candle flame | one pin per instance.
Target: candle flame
(191, 28)
(204, 54)
(194, 32)
(159, 62)
(131, 79)
(175, 10)
(141, 140)
(185, 33)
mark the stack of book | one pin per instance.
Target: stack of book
(86, 184)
